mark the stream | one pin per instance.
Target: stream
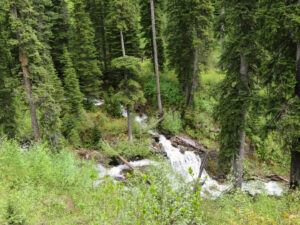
(183, 164)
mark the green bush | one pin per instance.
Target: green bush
(170, 92)
(131, 151)
(172, 122)
(111, 104)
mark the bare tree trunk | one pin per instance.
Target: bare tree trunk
(241, 153)
(103, 36)
(295, 155)
(24, 65)
(295, 169)
(223, 29)
(122, 43)
(155, 58)
(126, 79)
(190, 90)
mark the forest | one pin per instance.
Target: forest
(149, 112)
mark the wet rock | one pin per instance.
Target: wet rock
(187, 142)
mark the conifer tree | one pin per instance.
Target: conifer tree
(280, 73)
(98, 10)
(7, 109)
(239, 60)
(124, 14)
(189, 40)
(61, 32)
(84, 52)
(146, 30)
(73, 115)
(42, 85)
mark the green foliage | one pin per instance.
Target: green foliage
(112, 104)
(130, 90)
(189, 27)
(73, 114)
(237, 93)
(84, 52)
(38, 186)
(130, 151)
(170, 91)
(146, 30)
(172, 122)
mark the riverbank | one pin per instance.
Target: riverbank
(39, 187)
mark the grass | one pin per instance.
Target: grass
(40, 187)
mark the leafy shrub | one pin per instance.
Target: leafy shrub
(111, 104)
(130, 151)
(170, 92)
(172, 122)
(114, 127)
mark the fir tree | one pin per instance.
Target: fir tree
(7, 61)
(124, 15)
(280, 22)
(84, 52)
(73, 116)
(239, 60)
(42, 85)
(189, 41)
(146, 29)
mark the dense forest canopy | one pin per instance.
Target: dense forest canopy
(75, 75)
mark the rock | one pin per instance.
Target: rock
(187, 142)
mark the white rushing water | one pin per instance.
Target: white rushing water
(188, 164)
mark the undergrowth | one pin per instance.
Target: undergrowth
(38, 186)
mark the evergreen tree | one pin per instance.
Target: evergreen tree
(98, 10)
(42, 85)
(280, 73)
(189, 40)
(73, 114)
(239, 60)
(146, 30)
(61, 32)
(84, 52)
(124, 16)
(7, 61)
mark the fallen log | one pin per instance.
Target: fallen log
(191, 143)
(128, 164)
(275, 177)
(132, 167)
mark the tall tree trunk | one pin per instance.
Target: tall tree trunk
(24, 65)
(155, 57)
(223, 29)
(103, 34)
(190, 90)
(295, 155)
(223, 35)
(241, 153)
(126, 79)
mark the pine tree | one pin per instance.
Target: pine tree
(280, 73)
(61, 33)
(7, 61)
(124, 16)
(73, 113)
(239, 60)
(84, 52)
(43, 88)
(189, 40)
(146, 30)
(98, 10)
